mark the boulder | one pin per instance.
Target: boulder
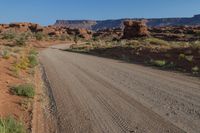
(134, 29)
(36, 28)
(86, 34)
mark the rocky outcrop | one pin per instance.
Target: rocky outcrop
(134, 29)
(46, 30)
(110, 34)
(82, 33)
(176, 29)
(176, 33)
(21, 27)
(34, 28)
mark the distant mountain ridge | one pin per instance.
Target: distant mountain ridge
(118, 23)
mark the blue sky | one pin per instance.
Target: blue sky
(48, 11)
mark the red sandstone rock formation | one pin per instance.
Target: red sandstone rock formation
(134, 29)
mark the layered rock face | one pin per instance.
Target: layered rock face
(118, 23)
(76, 24)
(134, 29)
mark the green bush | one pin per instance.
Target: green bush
(10, 125)
(27, 90)
(32, 57)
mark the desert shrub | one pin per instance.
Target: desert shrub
(5, 54)
(195, 69)
(186, 57)
(158, 63)
(176, 44)
(25, 35)
(27, 90)
(26, 103)
(25, 62)
(8, 35)
(21, 41)
(32, 60)
(64, 37)
(16, 49)
(195, 44)
(10, 125)
(133, 43)
(33, 52)
(39, 36)
(80, 48)
(189, 58)
(15, 71)
(22, 63)
(181, 56)
(170, 65)
(31, 71)
(156, 41)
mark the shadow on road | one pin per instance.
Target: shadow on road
(133, 60)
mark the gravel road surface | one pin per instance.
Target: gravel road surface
(99, 95)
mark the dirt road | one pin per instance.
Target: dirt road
(98, 95)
